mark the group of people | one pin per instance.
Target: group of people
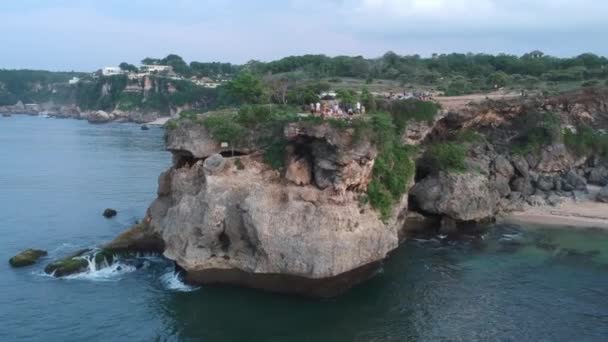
(335, 110)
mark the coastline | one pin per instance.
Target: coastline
(156, 121)
(582, 213)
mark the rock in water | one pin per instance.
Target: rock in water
(72, 264)
(27, 257)
(100, 117)
(251, 227)
(109, 213)
(144, 127)
(602, 196)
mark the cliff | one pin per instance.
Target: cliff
(518, 153)
(228, 217)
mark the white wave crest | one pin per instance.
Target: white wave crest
(171, 280)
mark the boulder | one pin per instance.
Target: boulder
(27, 257)
(555, 158)
(503, 167)
(215, 163)
(109, 213)
(299, 171)
(523, 186)
(521, 165)
(545, 183)
(598, 176)
(75, 263)
(574, 182)
(602, 196)
(99, 117)
(464, 196)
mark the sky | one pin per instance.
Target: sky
(86, 35)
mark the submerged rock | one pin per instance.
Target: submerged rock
(109, 213)
(27, 257)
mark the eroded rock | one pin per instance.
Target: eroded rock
(27, 257)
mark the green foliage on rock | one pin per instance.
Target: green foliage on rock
(70, 265)
(448, 156)
(27, 257)
(585, 142)
(537, 130)
(393, 167)
(246, 88)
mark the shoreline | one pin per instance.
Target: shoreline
(583, 213)
(161, 121)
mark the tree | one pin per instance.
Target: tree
(177, 63)
(347, 97)
(127, 67)
(498, 79)
(246, 88)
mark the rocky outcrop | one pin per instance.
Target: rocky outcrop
(100, 117)
(109, 213)
(237, 221)
(465, 196)
(27, 257)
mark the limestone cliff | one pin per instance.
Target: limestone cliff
(225, 216)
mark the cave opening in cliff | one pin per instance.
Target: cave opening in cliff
(184, 159)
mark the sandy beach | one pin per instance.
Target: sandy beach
(583, 212)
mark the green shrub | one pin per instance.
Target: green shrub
(224, 128)
(537, 131)
(274, 154)
(586, 142)
(448, 156)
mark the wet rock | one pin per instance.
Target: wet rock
(602, 196)
(214, 164)
(75, 263)
(139, 238)
(27, 257)
(109, 213)
(144, 127)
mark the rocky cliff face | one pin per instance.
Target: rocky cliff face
(499, 180)
(233, 220)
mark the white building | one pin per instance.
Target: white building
(74, 80)
(112, 71)
(155, 68)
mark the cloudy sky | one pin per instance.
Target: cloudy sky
(88, 34)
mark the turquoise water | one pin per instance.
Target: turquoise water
(57, 176)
